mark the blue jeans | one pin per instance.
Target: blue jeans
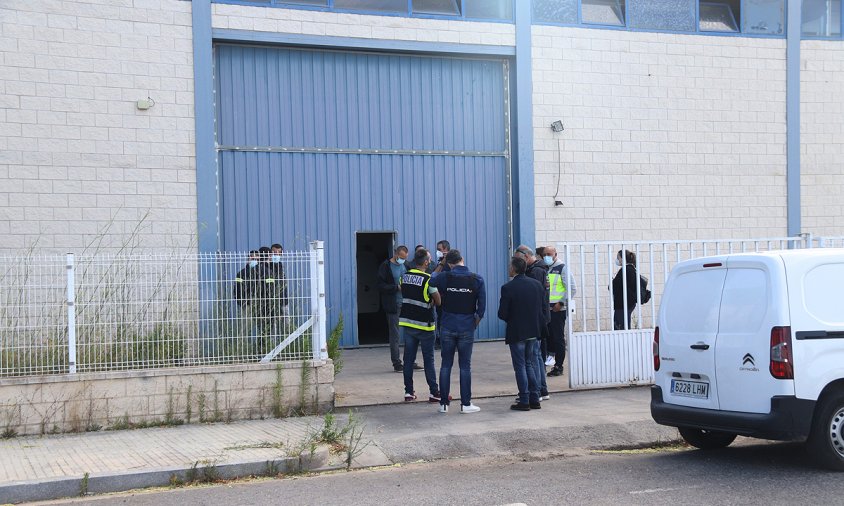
(522, 354)
(539, 369)
(413, 339)
(462, 343)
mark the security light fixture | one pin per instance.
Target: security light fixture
(557, 126)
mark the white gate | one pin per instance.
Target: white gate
(602, 356)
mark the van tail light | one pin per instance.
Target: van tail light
(782, 362)
(656, 349)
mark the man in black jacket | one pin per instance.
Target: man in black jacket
(536, 269)
(521, 306)
(389, 286)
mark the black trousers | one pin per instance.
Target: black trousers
(557, 337)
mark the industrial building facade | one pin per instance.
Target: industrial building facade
(228, 125)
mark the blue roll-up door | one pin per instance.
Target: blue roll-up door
(318, 144)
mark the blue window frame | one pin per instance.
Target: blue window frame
(480, 10)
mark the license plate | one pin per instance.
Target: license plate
(696, 389)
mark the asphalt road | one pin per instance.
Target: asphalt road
(749, 472)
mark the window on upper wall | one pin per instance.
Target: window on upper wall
(602, 12)
(763, 17)
(822, 18)
(399, 6)
(441, 7)
(489, 9)
(719, 16)
(670, 15)
(555, 11)
(320, 3)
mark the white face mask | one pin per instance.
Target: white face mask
(439, 254)
(618, 261)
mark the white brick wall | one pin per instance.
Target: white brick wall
(822, 131)
(667, 136)
(75, 153)
(298, 21)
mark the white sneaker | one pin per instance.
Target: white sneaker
(471, 408)
(443, 408)
(544, 397)
(550, 360)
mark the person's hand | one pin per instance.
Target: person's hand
(477, 322)
(557, 307)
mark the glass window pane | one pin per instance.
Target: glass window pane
(675, 15)
(373, 5)
(717, 18)
(763, 16)
(822, 18)
(555, 11)
(603, 12)
(321, 3)
(446, 7)
(488, 9)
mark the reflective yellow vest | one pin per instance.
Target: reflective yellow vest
(557, 284)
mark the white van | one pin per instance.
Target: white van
(752, 344)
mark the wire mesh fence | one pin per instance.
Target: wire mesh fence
(158, 309)
(594, 267)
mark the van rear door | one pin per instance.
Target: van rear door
(754, 302)
(815, 279)
(688, 327)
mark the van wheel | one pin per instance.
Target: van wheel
(706, 439)
(826, 441)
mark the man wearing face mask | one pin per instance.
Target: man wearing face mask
(536, 269)
(558, 276)
(389, 286)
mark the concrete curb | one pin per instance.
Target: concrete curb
(49, 489)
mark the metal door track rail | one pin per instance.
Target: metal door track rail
(348, 151)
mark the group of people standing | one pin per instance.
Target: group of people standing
(260, 290)
(410, 292)
(533, 305)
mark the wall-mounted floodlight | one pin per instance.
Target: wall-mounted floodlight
(557, 126)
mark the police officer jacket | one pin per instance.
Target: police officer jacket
(463, 299)
(416, 306)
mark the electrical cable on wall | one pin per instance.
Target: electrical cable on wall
(557, 126)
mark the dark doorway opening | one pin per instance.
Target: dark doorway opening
(373, 248)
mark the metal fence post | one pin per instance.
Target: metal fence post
(71, 315)
(320, 347)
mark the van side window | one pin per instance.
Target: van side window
(745, 301)
(822, 304)
(693, 304)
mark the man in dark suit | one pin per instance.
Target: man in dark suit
(521, 306)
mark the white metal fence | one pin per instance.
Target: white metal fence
(600, 354)
(72, 314)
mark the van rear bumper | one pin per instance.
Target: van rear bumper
(790, 418)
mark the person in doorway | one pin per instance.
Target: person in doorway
(389, 286)
(626, 261)
(417, 322)
(561, 283)
(463, 305)
(536, 269)
(521, 306)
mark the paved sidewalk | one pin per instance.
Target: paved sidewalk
(367, 377)
(53, 466)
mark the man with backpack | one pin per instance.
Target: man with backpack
(463, 305)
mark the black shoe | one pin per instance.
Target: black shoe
(417, 366)
(556, 372)
(398, 368)
(520, 407)
(535, 405)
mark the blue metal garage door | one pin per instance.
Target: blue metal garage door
(325, 144)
